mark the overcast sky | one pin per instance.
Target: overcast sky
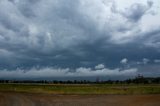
(79, 38)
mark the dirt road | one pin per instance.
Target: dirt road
(28, 99)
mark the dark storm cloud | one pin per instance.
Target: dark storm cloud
(76, 33)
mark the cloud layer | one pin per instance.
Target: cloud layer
(50, 72)
(78, 33)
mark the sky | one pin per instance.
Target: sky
(79, 39)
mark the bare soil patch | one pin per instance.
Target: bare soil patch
(37, 99)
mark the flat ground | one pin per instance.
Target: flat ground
(39, 99)
(83, 88)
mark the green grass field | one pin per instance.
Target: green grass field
(82, 88)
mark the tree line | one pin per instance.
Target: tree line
(136, 80)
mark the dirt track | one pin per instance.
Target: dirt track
(27, 99)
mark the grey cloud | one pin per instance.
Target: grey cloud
(63, 23)
(73, 33)
(50, 72)
(135, 12)
(152, 38)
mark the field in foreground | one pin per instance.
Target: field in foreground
(38, 99)
(79, 95)
(82, 88)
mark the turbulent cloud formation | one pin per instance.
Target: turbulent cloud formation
(78, 33)
(49, 72)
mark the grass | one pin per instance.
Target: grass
(82, 88)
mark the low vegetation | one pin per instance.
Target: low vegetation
(83, 88)
(139, 85)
